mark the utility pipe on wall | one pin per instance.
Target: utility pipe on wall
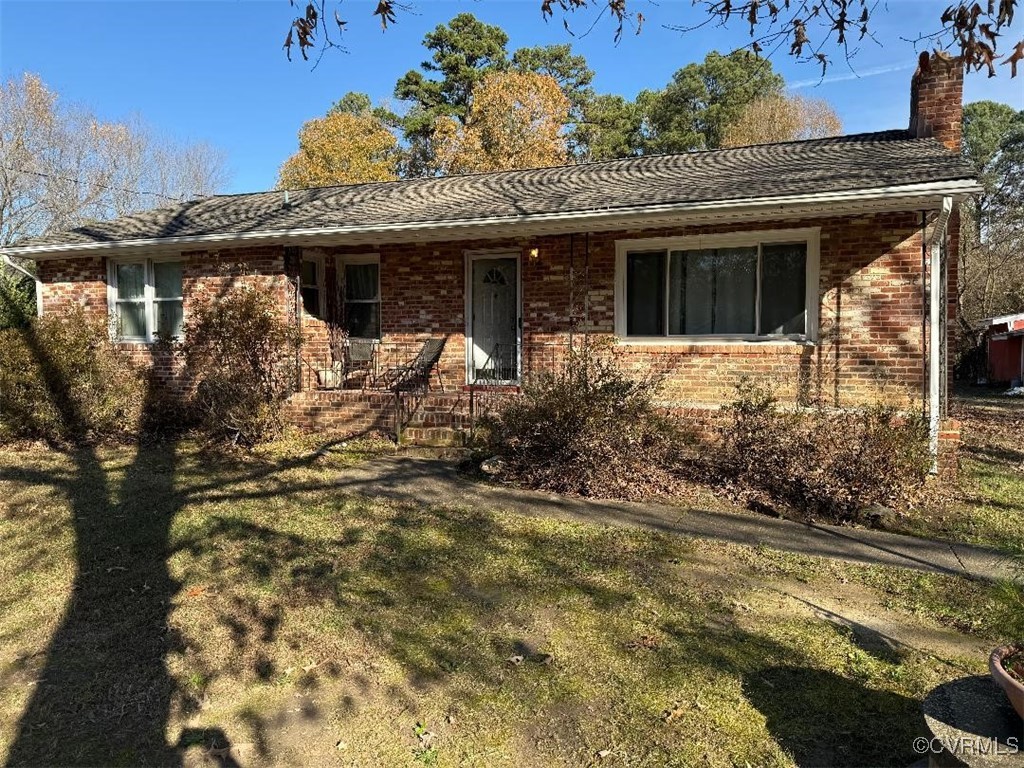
(937, 291)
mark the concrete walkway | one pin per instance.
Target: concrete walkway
(435, 481)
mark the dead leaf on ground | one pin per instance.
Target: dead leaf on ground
(644, 643)
(677, 710)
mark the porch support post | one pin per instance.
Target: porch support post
(937, 293)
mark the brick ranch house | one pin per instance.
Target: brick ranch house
(820, 264)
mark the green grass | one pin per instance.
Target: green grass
(165, 603)
(988, 505)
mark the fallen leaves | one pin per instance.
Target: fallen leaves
(678, 710)
(644, 643)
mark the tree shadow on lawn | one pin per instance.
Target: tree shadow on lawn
(418, 584)
(446, 594)
(104, 693)
(818, 716)
(449, 595)
(821, 718)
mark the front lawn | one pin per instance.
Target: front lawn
(168, 605)
(988, 506)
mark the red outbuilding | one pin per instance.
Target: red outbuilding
(1004, 337)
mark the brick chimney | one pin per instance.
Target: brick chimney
(937, 99)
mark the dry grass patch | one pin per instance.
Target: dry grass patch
(250, 607)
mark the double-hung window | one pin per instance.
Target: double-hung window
(742, 286)
(362, 296)
(146, 299)
(311, 279)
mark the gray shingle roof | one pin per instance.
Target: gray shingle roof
(841, 164)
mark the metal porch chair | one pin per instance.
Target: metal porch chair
(418, 370)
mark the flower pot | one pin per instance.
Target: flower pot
(1014, 688)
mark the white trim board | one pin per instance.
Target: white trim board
(340, 262)
(471, 256)
(812, 289)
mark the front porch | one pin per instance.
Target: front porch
(428, 417)
(396, 389)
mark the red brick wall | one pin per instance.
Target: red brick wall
(870, 310)
(870, 314)
(68, 282)
(433, 417)
(71, 282)
(936, 100)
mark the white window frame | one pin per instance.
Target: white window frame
(492, 253)
(810, 235)
(320, 286)
(149, 296)
(361, 258)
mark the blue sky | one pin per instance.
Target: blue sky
(213, 70)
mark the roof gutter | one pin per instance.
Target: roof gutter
(547, 223)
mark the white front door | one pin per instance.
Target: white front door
(494, 324)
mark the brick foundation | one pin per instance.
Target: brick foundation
(948, 461)
(430, 417)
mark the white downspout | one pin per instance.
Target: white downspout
(5, 259)
(936, 293)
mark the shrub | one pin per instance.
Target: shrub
(589, 429)
(240, 354)
(17, 299)
(63, 380)
(822, 462)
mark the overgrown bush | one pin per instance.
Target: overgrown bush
(64, 381)
(17, 299)
(240, 354)
(822, 462)
(590, 429)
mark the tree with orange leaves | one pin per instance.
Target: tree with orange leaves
(342, 148)
(515, 120)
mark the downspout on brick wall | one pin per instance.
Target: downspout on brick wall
(924, 314)
(936, 305)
